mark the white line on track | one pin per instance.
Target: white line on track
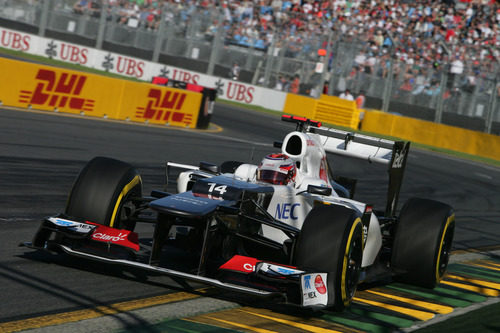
(456, 312)
(482, 175)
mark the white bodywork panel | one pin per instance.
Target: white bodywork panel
(291, 203)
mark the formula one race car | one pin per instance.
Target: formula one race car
(286, 227)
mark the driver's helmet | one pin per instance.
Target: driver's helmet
(277, 169)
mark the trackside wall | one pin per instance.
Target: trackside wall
(328, 109)
(432, 134)
(30, 85)
(151, 106)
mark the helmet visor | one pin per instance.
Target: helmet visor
(272, 176)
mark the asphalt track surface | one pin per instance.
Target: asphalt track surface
(41, 154)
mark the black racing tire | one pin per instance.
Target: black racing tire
(102, 193)
(331, 241)
(422, 243)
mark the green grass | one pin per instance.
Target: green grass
(58, 63)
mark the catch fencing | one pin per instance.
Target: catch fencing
(198, 39)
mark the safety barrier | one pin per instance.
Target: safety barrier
(55, 89)
(30, 85)
(327, 109)
(432, 134)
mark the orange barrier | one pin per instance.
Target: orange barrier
(55, 89)
(432, 134)
(327, 109)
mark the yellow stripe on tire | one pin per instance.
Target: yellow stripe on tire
(344, 265)
(448, 222)
(136, 180)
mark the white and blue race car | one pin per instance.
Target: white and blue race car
(286, 228)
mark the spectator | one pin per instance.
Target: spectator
(413, 31)
(81, 6)
(360, 100)
(347, 95)
(282, 84)
(294, 86)
(326, 88)
(235, 71)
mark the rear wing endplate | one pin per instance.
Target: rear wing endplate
(374, 150)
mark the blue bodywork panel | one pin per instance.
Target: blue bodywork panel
(206, 195)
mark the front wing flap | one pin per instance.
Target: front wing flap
(304, 288)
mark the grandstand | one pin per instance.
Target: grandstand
(426, 57)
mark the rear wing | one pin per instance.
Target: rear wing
(372, 149)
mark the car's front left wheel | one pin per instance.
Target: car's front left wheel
(103, 193)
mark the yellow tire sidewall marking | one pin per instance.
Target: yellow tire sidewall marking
(450, 219)
(344, 264)
(136, 180)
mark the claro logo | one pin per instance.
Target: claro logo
(165, 106)
(59, 91)
(112, 238)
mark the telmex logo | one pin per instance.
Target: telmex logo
(58, 91)
(162, 105)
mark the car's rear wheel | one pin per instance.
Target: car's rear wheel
(331, 241)
(422, 243)
(103, 193)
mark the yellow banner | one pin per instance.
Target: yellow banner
(160, 105)
(327, 109)
(432, 134)
(30, 85)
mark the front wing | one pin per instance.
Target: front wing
(240, 274)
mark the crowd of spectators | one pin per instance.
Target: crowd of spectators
(420, 34)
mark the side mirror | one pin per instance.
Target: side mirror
(319, 190)
(278, 144)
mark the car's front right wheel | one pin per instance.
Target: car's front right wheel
(331, 241)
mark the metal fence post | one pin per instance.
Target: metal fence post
(102, 25)
(159, 37)
(44, 18)
(492, 105)
(386, 99)
(442, 89)
(190, 36)
(442, 84)
(269, 63)
(329, 51)
(215, 46)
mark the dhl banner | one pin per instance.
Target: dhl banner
(160, 105)
(140, 69)
(62, 90)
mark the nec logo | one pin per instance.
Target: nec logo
(58, 91)
(286, 211)
(163, 105)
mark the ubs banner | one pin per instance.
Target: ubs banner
(62, 90)
(138, 69)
